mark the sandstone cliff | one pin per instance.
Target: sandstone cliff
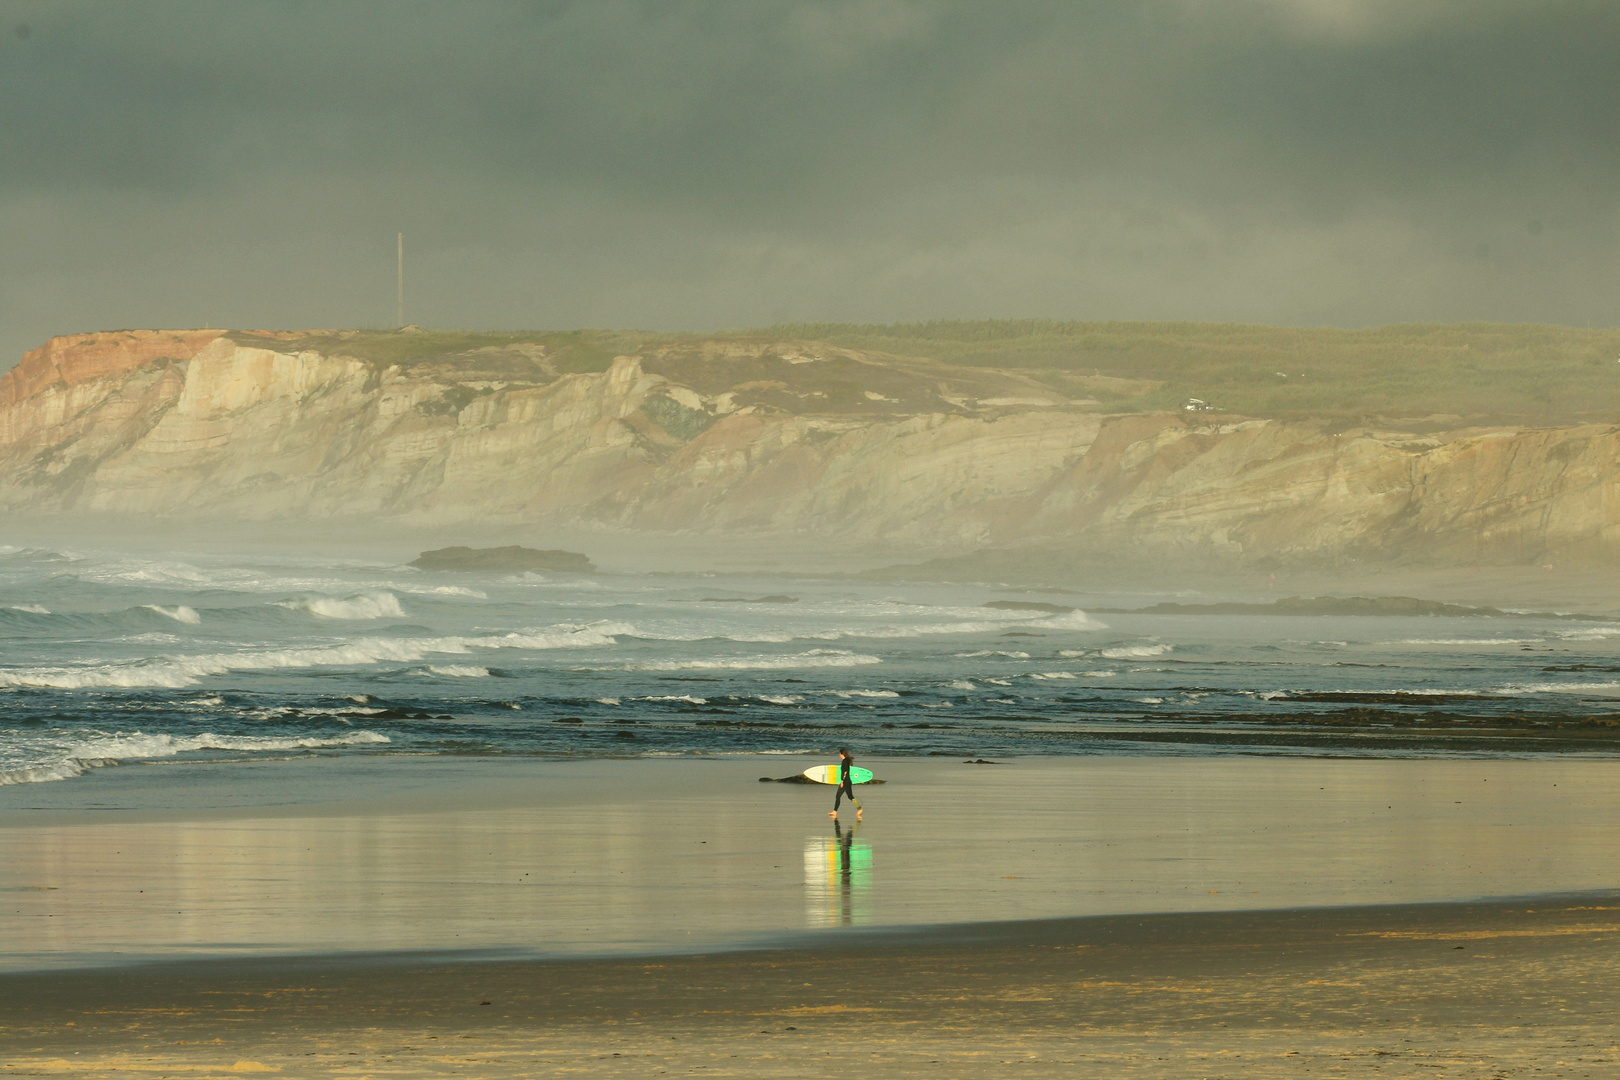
(767, 437)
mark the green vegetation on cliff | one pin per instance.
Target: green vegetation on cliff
(1465, 373)
(1440, 375)
(566, 351)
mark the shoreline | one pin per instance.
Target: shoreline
(1482, 988)
(634, 857)
(846, 938)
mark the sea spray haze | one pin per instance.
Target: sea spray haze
(117, 659)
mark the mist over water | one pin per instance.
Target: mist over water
(109, 658)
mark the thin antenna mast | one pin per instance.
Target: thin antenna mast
(401, 312)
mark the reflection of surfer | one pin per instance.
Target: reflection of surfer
(846, 870)
(845, 786)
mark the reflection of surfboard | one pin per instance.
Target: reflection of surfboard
(837, 880)
(828, 774)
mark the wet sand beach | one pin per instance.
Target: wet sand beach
(1481, 990)
(1176, 917)
(551, 859)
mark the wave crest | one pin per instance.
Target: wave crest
(815, 658)
(367, 605)
(182, 671)
(104, 750)
(179, 613)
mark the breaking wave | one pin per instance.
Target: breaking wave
(372, 605)
(815, 658)
(98, 751)
(182, 671)
(1465, 641)
(179, 613)
(1560, 688)
(1133, 652)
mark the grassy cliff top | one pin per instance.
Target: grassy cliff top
(1469, 372)
(566, 351)
(1445, 375)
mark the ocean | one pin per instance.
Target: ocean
(110, 658)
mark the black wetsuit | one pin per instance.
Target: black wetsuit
(845, 787)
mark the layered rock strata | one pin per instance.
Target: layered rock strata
(765, 437)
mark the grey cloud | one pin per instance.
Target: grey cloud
(708, 164)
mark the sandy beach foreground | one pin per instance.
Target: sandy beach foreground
(549, 860)
(1497, 989)
(426, 917)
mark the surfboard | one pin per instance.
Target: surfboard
(828, 774)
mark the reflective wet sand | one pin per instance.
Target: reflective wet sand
(564, 858)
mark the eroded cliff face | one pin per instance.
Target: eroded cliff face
(762, 437)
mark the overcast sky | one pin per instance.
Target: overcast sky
(701, 165)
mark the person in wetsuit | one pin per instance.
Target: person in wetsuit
(845, 761)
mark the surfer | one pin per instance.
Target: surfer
(845, 786)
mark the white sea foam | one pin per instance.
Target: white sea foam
(687, 698)
(529, 577)
(460, 671)
(179, 613)
(1589, 633)
(961, 684)
(1461, 641)
(973, 621)
(1151, 700)
(370, 605)
(66, 769)
(815, 658)
(32, 609)
(1560, 688)
(975, 626)
(448, 590)
(1074, 620)
(1051, 675)
(781, 699)
(127, 572)
(180, 671)
(1010, 654)
(1426, 691)
(607, 701)
(864, 693)
(1134, 652)
(78, 758)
